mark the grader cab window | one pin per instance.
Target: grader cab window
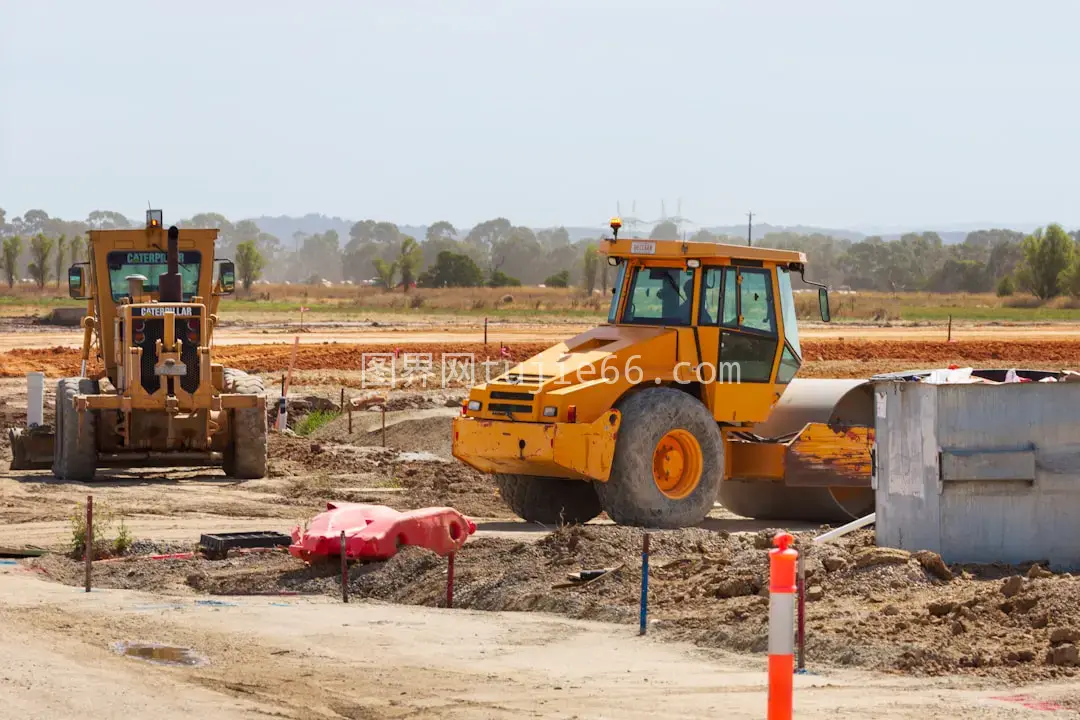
(151, 264)
(660, 296)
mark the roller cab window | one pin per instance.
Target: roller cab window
(659, 296)
(791, 359)
(748, 320)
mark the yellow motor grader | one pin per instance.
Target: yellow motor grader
(685, 396)
(152, 300)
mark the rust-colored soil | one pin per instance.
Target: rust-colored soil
(879, 355)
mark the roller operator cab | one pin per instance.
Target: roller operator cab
(630, 417)
(152, 301)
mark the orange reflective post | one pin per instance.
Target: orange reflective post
(782, 563)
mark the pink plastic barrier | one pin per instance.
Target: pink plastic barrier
(375, 532)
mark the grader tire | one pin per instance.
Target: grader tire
(668, 464)
(75, 453)
(549, 500)
(245, 456)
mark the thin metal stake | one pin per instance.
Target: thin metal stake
(450, 581)
(344, 571)
(89, 538)
(644, 583)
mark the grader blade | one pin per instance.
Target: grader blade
(31, 448)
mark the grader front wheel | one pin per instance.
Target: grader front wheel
(75, 452)
(245, 456)
(669, 461)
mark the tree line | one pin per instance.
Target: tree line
(498, 253)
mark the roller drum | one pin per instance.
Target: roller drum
(836, 402)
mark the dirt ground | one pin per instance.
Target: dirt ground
(991, 641)
(871, 608)
(312, 658)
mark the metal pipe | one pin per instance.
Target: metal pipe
(89, 538)
(450, 581)
(35, 399)
(644, 584)
(845, 529)
(344, 571)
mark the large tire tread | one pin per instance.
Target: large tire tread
(549, 500)
(245, 456)
(630, 496)
(75, 452)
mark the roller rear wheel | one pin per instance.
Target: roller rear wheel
(549, 500)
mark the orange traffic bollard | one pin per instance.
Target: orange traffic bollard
(782, 562)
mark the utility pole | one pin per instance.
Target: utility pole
(749, 228)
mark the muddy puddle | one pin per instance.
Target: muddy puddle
(160, 654)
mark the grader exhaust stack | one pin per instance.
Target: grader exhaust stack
(170, 284)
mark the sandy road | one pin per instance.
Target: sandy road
(527, 332)
(311, 658)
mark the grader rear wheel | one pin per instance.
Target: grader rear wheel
(246, 453)
(669, 461)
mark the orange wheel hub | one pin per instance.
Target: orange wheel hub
(677, 464)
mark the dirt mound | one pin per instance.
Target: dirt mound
(404, 480)
(868, 607)
(431, 435)
(418, 431)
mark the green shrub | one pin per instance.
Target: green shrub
(313, 421)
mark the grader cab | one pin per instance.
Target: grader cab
(685, 396)
(152, 300)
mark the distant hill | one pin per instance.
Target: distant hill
(283, 227)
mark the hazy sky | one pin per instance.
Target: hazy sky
(844, 114)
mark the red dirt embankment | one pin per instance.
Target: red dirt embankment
(63, 362)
